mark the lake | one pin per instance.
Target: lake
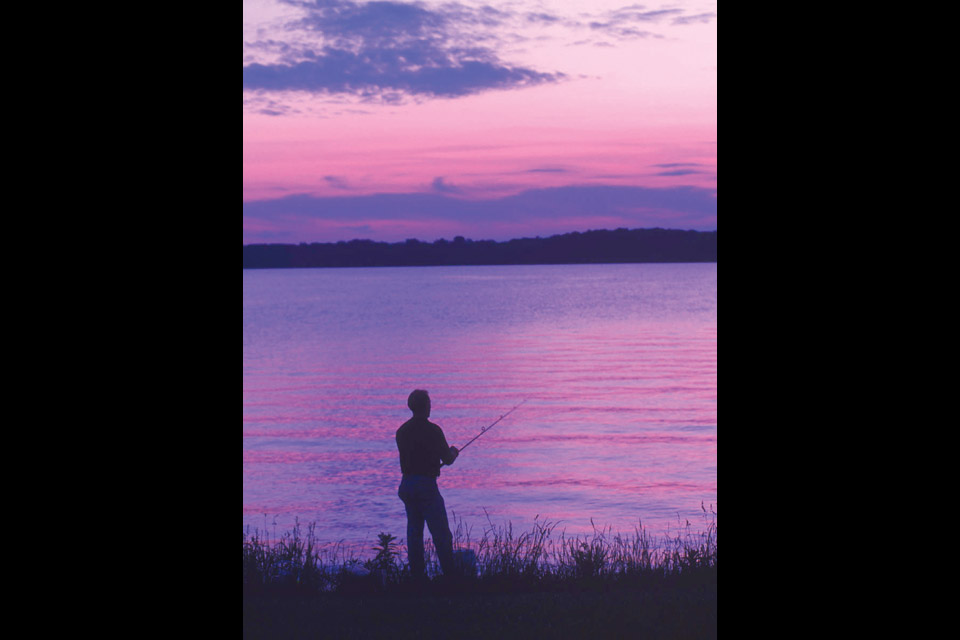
(617, 364)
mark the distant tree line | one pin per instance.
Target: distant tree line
(602, 246)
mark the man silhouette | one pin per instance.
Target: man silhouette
(423, 448)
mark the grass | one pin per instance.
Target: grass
(538, 582)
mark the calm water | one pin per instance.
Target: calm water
(619, 363)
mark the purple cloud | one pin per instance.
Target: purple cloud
(389, 50)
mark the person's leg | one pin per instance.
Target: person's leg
(435, 512)
(415, 519)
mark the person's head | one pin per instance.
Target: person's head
(419, 403)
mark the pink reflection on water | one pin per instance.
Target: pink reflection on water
(620, 425)
(301, 457)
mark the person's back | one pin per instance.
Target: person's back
(422, 447)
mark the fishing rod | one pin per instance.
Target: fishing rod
(488, 427)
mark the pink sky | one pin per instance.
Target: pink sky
(475, 101)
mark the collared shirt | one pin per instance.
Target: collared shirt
(422, 447)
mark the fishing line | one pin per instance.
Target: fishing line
(490, 426)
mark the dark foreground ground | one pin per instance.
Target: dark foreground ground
(681, 609)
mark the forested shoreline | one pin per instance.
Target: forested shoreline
(590, 247)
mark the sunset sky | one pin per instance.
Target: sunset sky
(486, 119)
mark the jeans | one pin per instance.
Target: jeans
(423, 502)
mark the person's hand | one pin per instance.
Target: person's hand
(455, 452)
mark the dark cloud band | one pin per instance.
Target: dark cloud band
(687, 207)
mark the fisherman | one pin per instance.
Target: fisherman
(423, 448)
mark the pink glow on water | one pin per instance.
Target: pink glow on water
(618, 363)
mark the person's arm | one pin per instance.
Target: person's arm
(447, 453)
(452, 454)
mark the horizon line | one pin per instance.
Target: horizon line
(555, 235)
